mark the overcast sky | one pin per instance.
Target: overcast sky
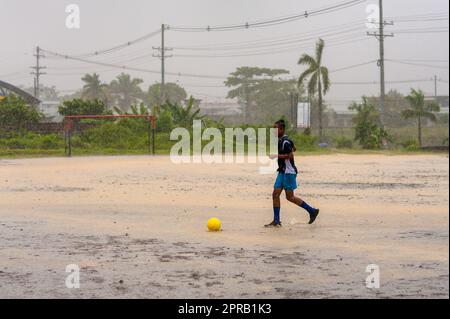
(105, 23)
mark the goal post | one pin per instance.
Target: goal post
(68, 125)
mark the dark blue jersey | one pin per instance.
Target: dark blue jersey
(286, 146)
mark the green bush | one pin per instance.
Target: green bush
(110, 135)
(15, 143)
(17, 114)
(48, 142)
(33, 141)
(410, 144)
(165, 122)
(136, 125)
(343, 142)
(368, 129)
(83, 107)
(304, 142)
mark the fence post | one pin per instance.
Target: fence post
(153, 135)
(153, 141)
(149, 134)
(68, 124)
(70, 143)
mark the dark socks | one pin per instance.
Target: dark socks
(306, 207)
(276, 215)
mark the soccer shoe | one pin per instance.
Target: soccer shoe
(273, 224)
(313, 216)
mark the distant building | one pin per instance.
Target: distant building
(220, 108)
(340, 119)
(50, 111)
(443, 102)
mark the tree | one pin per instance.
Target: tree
(395, 103)
(182, 116)
(420, 109)
(126, 91)
(93, 88)
(368, 130)
(250, 84)
(140, 109)
(83, 107)
(319, 81)
(15, 113)
(175, 94)
(273, 100)
(46, 93)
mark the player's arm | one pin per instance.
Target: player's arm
(282, 156)
(288, 150)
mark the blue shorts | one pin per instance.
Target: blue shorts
(286, 181)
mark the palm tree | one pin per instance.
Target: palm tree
(420, 109)
(319, 81)
(126, 91)
(93, 88)
(140, 109)
(183, 116)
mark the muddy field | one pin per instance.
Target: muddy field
(136, 227)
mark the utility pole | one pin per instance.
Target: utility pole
(37, 72)
(244, 101)
(162, 55)
(380, 35)
(435, 86)
(294, 109)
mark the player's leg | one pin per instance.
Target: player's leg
(277, 190)
(276, 207)
(290, 196)
(291, 185)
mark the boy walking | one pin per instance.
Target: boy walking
(286, 179)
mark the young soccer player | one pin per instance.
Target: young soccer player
(286, 179)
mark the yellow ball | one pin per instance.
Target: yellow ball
(214, 224)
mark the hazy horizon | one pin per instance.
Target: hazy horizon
(420, 50)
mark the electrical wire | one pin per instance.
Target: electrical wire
(352, 66)
(344, 28)
(418, 64)
(270, 52)
(120, 46)
(124, 67)
(270, 22)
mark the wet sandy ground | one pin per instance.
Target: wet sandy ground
(136, 228)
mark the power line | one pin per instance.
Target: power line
(377, 82)
(120, 46)
(418, 64)
(352, 66)
(293, 38)
(422, 20)
(285, 49)
(13, 74)
(438, 29)
(420, 17)
(124, 67)
(423, 60)
(270, 22)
